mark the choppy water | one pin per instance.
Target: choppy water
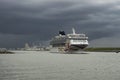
(51, 66)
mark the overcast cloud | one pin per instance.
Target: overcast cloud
(23, 21)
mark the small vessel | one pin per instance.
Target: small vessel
(117, 51)
(68, 42)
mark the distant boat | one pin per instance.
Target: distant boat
(117, 51)
(68, 42)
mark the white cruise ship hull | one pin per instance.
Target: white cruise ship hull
(72, 48)
(57, 50)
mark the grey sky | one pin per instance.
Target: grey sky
(24, 21)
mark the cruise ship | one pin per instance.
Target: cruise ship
(68, 42)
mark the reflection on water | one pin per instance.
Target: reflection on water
(50, 66)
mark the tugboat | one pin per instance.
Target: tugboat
(68, 42)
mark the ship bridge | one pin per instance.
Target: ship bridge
(77, 36)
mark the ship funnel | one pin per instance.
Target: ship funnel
(61, 32)
(73, 31)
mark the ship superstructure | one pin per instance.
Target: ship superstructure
(68, 42)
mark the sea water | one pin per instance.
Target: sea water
(42, 65)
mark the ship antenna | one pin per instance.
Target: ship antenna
(73, 31)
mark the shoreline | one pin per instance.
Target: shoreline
(6, 52)
(103, 49)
